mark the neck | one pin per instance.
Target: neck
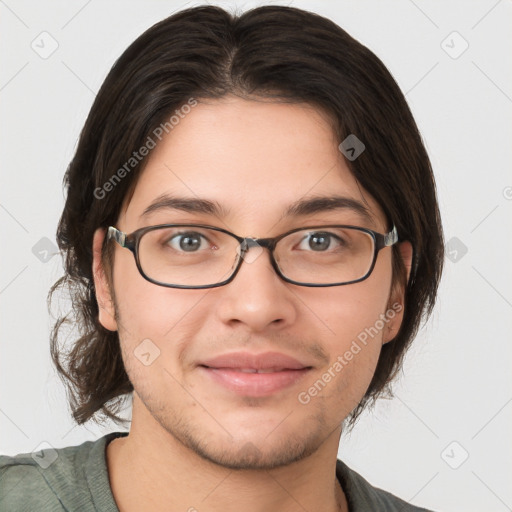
(151, 469)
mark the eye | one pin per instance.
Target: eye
(321, 241)
(189, 241)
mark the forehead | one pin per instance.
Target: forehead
(253, 159)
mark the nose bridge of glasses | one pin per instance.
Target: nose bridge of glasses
(258, 244)
(249, 242)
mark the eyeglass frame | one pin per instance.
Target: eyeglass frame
(131, 242)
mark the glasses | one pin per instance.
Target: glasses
(201, 256)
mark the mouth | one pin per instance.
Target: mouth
(253, 382)
(254, 375)
(255, 370)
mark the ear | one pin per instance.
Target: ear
(106, 314)
(396, 305)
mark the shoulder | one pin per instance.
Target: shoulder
(23, 485)
(363, 496)
(52, 478)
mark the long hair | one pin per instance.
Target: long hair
(281, 53)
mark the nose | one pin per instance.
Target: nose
(257, 297)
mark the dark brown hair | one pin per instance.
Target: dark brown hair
(281, 53)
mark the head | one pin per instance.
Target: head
(247, 114)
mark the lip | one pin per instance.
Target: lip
(280, 372)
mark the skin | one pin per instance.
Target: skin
(193, 443)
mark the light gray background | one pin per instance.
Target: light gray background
(456, 384)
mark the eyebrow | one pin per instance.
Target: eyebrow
(300, 208)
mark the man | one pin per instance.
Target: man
(252, 237)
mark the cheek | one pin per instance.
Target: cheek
(156, 325)
(156, 328)
(352, 312)
(353, 319)
(148, 310)
(353, 347)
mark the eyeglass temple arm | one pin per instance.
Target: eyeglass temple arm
(117, 235)
(390, 238)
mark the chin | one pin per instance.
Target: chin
(251, 457)
(253, 448)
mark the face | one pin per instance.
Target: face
(254, 159)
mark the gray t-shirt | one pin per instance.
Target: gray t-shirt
(75, 479)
